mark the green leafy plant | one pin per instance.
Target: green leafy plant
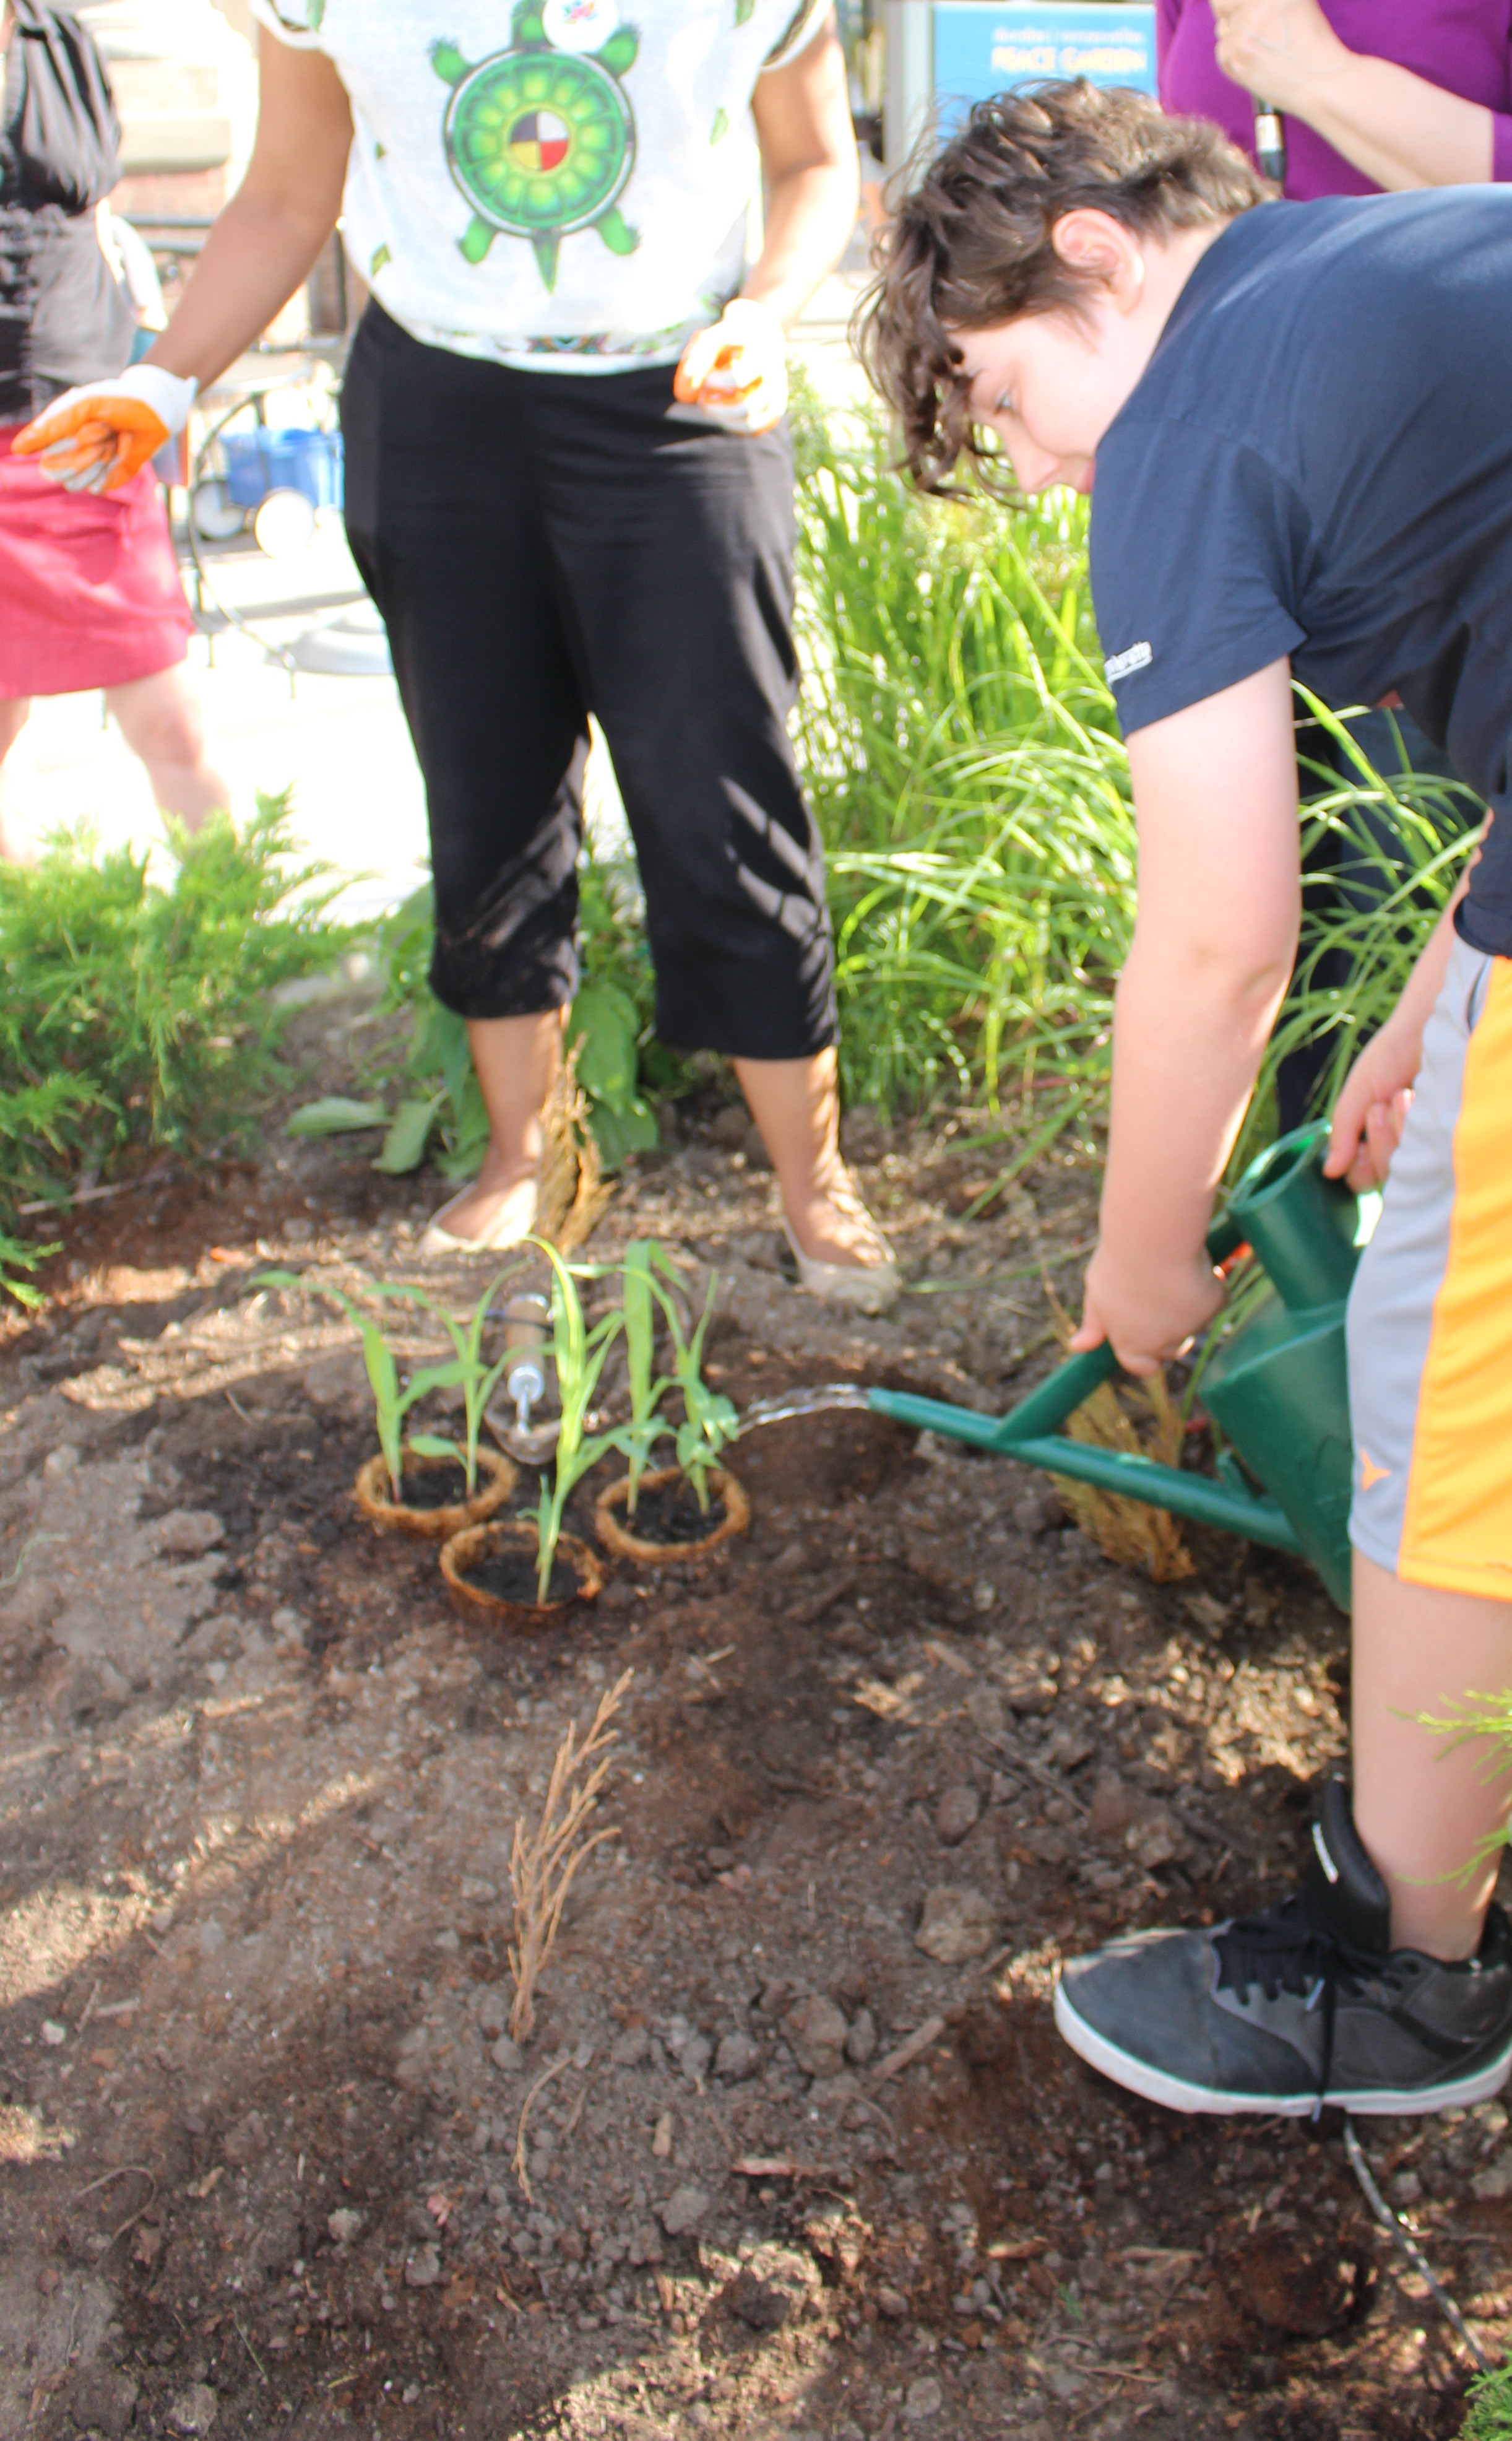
(392, 1400)
(579, 1355)
(335, 1114)
(1489, 2399)
(605, 1023)
(440, 1110)
(137, 1008)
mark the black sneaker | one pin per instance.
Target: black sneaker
(1300, 2006)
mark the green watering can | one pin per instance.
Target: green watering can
(1276, 1386)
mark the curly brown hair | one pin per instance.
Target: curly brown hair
(970, 242)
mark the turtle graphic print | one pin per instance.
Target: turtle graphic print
(541, 139)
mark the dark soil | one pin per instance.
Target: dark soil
(510, 1574)
(269, 2164)
(437, 1487)
(670, 1515)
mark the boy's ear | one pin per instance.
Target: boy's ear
(1103, 250)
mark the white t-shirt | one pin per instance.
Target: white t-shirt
(566, 184)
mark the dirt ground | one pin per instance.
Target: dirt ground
(258, 1784)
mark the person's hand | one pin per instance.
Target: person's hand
(97, 438)
(736, 371)
(1150, 1316)
(1274, 46)
(1371, 1108)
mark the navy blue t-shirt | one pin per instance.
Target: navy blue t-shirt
(1318, 461)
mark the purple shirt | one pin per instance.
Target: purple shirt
(1463, 45)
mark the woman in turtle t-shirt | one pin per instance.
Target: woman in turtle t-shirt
(569, 491)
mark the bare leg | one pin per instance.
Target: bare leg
(15, 846)
(1422, 1811)
(796, 1104)
(162, 722)
(517, 1060)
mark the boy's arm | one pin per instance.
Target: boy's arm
(1372, 1105)
(1215, 799)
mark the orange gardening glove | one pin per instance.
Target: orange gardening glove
(736, 371)
(97, 438)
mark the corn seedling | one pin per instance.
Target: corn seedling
(391, 1401)
(709, 1421)
(579, 1355)
(477, 1379)
(647, 1389)
(544, 1862)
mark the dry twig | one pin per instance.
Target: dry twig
(544, 1866)
(1128, 1532)
(907, 2051)
(572, 1191)
(522, 2169)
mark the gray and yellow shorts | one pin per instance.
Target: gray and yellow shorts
(1429, 1328)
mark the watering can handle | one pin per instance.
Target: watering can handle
(1046, 1408)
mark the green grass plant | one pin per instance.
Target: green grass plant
(136, 1008)
(959, 742)
(1400, 893)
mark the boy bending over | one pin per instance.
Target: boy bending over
(1300, 417)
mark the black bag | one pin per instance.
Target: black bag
(64, 317)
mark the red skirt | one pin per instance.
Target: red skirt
(89, 588)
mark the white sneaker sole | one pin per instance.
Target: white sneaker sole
(1174, 2093)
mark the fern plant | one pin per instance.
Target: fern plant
(1489, 2400)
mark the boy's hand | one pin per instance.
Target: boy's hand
(1149, 1317)
(1371, 1108)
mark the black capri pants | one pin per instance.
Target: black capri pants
(543, 545)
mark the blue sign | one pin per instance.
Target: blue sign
(980, 50)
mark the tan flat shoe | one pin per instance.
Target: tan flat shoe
(515, 1219)
(871, 1287)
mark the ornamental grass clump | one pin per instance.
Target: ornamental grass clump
(960, 747)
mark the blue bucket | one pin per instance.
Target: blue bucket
(291, 460)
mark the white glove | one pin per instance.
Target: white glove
(736, 371)
(97, 438)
